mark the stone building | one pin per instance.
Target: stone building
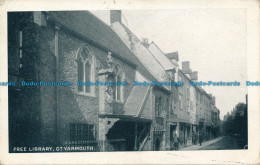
(207, 115)
(204, 108)
(215, 119)
(73, 47)
(160, 95)
(189, 94)
(170, 67)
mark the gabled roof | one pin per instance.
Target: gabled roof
(173, 55)
(141, 52)
(95, 31)
(160, 56)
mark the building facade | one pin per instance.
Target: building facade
(53, 57)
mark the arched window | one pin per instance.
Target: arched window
(118, 88)
(85, 62)
(118, 79)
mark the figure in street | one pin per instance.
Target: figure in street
(175, 142)
(200, 138)
(157, 144)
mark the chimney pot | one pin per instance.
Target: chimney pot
(115, 16)
(186, 67)
(194, 75)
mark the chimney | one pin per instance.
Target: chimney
(174, 57)
(145, 42)
(214, 100)
(115, 16)
(194, 75)
(186, 67)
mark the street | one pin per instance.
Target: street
(227, 143)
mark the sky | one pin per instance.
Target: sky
(213, 40)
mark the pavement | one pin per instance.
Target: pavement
(204, 144)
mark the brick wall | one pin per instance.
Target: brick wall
(74, 107)
(47, 72)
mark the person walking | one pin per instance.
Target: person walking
(200, 138)
(175, 142)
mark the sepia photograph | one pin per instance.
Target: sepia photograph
(121, 81)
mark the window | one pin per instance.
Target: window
(180, 101)
(117, 93)
(82, 132)
(172, 107)
(85, 69)
(118, 79)
(158, 105)
(167, 104)
(21, 46)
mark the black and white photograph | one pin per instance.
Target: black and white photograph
(124, 81)
(64, 60)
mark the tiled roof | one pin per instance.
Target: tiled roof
(97, 32)
(135, 100)
(173, 55)
(160, 56)
(141, 52)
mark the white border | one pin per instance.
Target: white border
(250, 156)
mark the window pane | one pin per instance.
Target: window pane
(80, 74)
(72, 132)
(21, 53)
(87, 76)
(180, 101)
(156, 106)
(79, 132)
(21, 38)
(82, 132)
(91, 132)
(160, 105)
(167, 104)
(85, 132)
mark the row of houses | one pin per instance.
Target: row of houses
(72, 46)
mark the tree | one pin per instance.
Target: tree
(236, 123)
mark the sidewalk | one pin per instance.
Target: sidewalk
(204, 144)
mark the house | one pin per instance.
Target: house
(160, 94)
(170, 68)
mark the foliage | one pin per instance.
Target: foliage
(235, 124)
